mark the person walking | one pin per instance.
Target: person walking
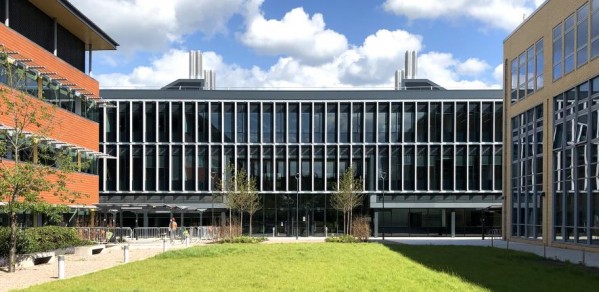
(172, 229)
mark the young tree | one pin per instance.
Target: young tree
(30, 168)
(348, 195)
(252, 201)
(228, 187)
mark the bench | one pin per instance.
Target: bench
(32, 259)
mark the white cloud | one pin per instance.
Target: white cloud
(367, 66)
(503, 14)
(472, 67)
(152, 25)
(498, 74)
(296, 35)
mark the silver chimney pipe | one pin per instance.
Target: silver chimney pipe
(191, 64)
(414, 64)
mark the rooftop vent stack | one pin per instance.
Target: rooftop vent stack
(199, 65)
(411, 63)
(399, 76)
(414, 64)
(209, 80)
(192, 68)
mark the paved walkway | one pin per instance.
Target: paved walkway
(574, 256)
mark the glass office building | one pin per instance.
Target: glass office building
(440, 151)
(552, 138)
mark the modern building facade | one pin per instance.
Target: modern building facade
(429, 157)
(552, 126)
(45, 43)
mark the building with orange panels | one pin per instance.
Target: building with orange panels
(49, 43)
(551, 138)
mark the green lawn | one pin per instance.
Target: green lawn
(336, 267)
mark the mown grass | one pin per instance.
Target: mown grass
(336, 267)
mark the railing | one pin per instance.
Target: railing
(104, 234)
(194, 233)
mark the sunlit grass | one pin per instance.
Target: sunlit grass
(326, 267)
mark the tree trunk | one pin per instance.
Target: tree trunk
(344, 227)
(251, 224)
(230, 223)
(241, 223)
(12, 255)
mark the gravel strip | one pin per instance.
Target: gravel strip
(78, 265)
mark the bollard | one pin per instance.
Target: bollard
(186, 241)
(326, 231)
(163, 244)
(273, 231)
(61, 267)
(126, 254)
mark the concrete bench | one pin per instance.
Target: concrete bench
(32, 259)
(89, 250)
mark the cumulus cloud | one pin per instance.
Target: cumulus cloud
(296, 35)
(370, 65)
(152, 25)
(503, 14)
(472, 67)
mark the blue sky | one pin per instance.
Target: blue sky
(304, 43)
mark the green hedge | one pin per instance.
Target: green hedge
(243, 239)
(40, 239)
(343, 239)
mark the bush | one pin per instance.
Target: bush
(40, 239)
(342, 239)
(361, 228)
(243, 239)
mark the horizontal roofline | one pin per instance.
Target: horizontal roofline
(77, 23)
(312, 95)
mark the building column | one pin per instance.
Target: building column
(452, 224)
(6, 14)
(181, 218)
(92, 217)
(55, 52)
(376, 223)
(146, 223)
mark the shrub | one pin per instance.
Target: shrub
(40, 239)
(361, 228)
(243, 239)
(342, 239)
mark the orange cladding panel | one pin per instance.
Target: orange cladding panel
(14, 41)
(83, 183)
(64, 126)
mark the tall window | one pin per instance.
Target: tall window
(331, 123)
(514, 77)
(267, 123)
(396, 122)
(280, 123)
(242, 123)
(370, 123)
(383, 123)
(540, 64)
(150, 122)
(176, 169)
(409, 122)
(124, 122)
(569, 44)
(150, 168)
(582, 35)
(474, 120)
(137, 121)
(190, 168)
(190, 122)
(229, 122)
(319, 123)
(422, 120)
(344, 116)
(216, 123)
(557, 52)
(448, 117)
(357, 123)
(530, 70)
(306, 123)
(163, 110)
(595, 29)
(254, 123)
(203, 123)
(176, 122)
(293, 123)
